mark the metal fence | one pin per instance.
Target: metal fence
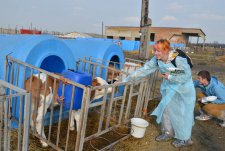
(116, 110)
(12, 138)
(16, 73)
(112, 111)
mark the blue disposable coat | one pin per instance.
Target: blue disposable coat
(178, 94)
(215, 88)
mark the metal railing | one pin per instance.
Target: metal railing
(127, 100)
(12, 138)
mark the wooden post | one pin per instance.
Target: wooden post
(144, 31)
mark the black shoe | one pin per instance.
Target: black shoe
(182, 143)
(163, 137)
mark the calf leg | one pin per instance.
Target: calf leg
(41, 113)
(75, 116)
(72, 121)
(42, 133)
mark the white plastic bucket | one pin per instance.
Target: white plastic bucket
(138, 127)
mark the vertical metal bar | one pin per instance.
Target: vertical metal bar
(70, 113)
(89, 67)
(143, 98)
(83, 120)
(102, 111)
(114, 109)
(52, 108)
(20, 124)
(6, 109)
(154, 83)
(122, 106)
(102, 68)
(36, 102)
(6, 69)
(9, 117)
(60, 117)
(24, 75)
(12, 73)
(129, 101)
(31, 73)
(78, 65)
(100, 71)
(26, 121)
(106, 75)
(147, 93)
(23, 78)
(110, 108)
(93, 72)
(2, 113)
(139, 99)
(17, 74)
(84, 64)
(16, 83)
(44, 105)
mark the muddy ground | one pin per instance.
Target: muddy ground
(207, 136)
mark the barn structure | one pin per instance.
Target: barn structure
(174, 34)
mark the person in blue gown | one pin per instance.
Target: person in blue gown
(175, 111)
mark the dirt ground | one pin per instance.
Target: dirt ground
(206, 135)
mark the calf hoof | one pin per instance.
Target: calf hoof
(72, 128)
(44, 144)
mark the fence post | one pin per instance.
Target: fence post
(83, 119)
(26, 122)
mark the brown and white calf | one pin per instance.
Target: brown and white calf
(95, 94)
(41, 99)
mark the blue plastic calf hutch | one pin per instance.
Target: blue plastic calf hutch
(78, 77)
(102, 49)
(44, 51)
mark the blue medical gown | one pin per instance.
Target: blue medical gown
(178, 94)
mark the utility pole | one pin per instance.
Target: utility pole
(102, 29)
(144, 31)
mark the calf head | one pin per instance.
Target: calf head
(98, 93)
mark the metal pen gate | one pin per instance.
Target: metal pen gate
(9, 135)
(16, 73)
(117, 109)
(114, 110)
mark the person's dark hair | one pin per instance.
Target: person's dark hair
(205, 74)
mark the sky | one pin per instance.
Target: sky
(87, 15)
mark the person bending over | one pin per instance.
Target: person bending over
(175, 111)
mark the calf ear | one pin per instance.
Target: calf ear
(94, 82)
